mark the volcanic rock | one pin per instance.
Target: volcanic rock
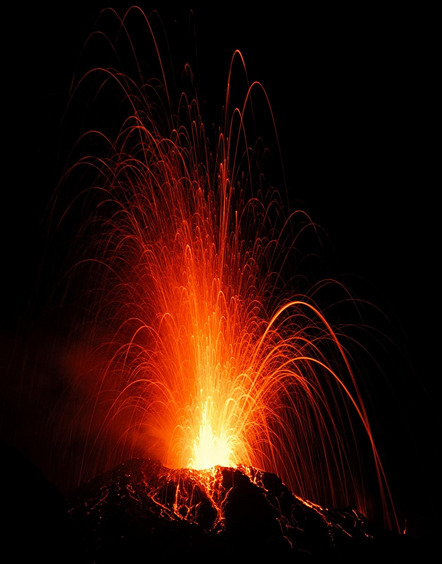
(142, 511)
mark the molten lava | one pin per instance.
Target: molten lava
(211, 357)
(212, 449)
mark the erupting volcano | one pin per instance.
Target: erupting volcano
(205, 365)
(208, 355)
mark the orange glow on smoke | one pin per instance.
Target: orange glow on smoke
(211, 362)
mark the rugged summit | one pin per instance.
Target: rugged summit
(142, 511)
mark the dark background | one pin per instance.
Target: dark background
(354, 97)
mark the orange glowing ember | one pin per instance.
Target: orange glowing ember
(214, 358)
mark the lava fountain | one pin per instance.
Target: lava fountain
(205, 353)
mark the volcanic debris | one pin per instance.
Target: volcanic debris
(142, 509)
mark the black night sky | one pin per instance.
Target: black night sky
(354, 97)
